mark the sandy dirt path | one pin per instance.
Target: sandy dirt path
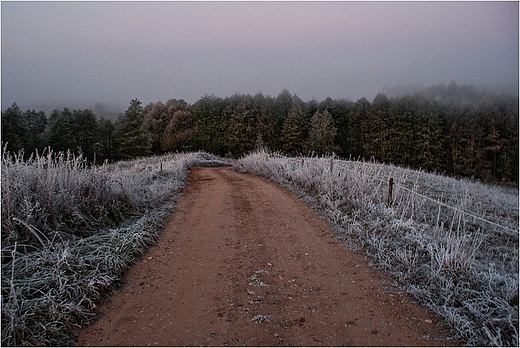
(246, 263)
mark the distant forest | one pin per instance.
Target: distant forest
(454, 129)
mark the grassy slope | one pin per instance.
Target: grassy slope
(453, 244)
(69, 232)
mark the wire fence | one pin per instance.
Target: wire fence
(387, 184)
(515, 233)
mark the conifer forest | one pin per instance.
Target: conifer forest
(457, 130)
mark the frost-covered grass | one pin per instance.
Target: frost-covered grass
(452, 244)
(70, 231)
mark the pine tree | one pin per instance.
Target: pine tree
(430, 142)
(355, 136)
(340, 110)
(241, 126)
(61, 136)
(86, 131)
(36, 123)
(106, 145)
(376, 129)
(131, 137)
(208, 125)
(295, 130)
(322, 133)
(14, 128)
(269, 124)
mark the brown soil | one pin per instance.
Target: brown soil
(246, 263)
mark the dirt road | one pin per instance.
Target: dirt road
(245, 263)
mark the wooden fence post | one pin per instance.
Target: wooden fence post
(390, 187)
(331, 164)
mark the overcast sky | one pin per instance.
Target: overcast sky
(65, 53)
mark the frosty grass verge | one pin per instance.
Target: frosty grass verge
(70, 230)
(452, 244)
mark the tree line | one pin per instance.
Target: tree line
(455, 129)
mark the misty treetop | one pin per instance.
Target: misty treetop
(458, 130)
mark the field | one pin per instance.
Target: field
(70, 231)
(452, 244)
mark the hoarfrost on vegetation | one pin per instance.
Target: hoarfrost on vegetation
(70, 230)
(453, 244)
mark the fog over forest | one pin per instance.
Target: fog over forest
(111, 110)
(125, 79)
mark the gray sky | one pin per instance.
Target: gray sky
(69, 53)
